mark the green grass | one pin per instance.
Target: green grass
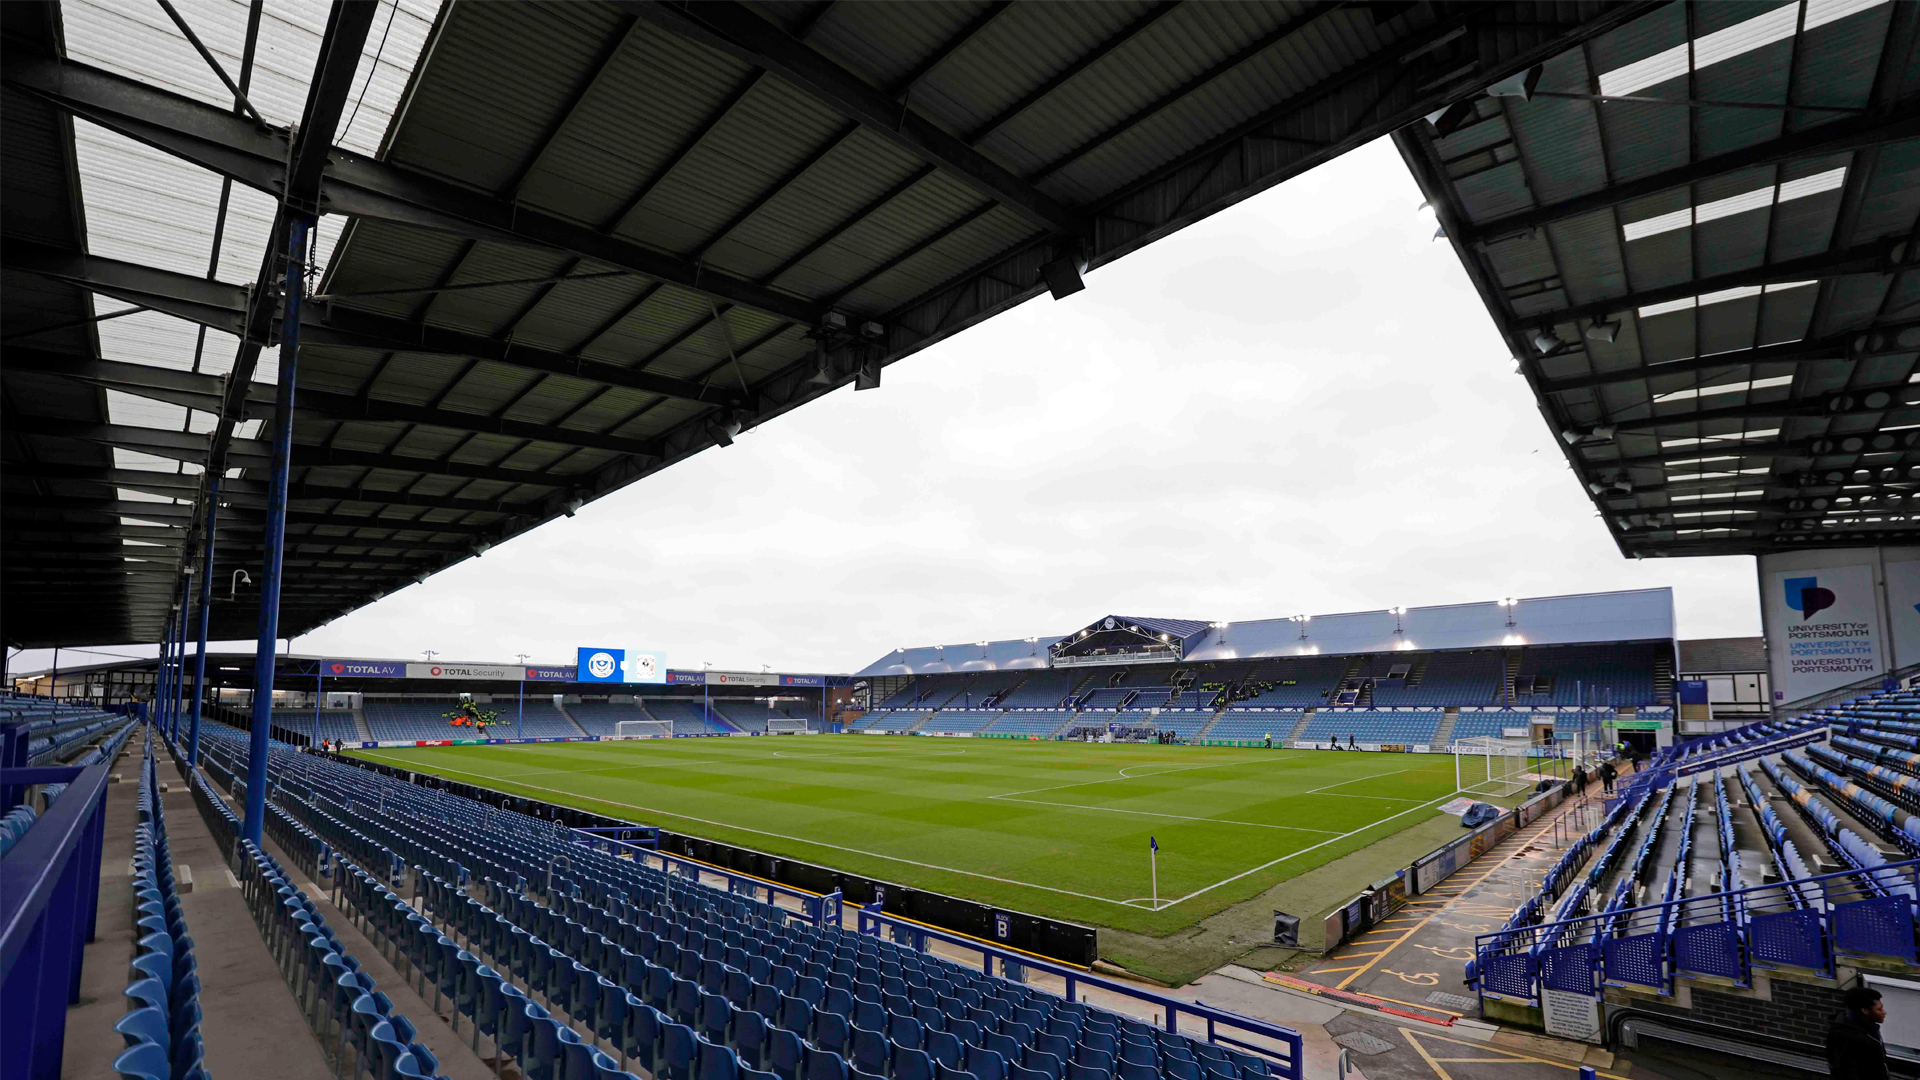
(1056, 829)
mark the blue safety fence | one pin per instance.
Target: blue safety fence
(50, 878)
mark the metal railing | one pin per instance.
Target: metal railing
(1801, 923)
(50, 880)
(1872, 684)
(1281, 1048)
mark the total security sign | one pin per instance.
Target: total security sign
(602, 665)
(1826, 627)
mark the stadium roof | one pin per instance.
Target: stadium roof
(594, 239)
(1587, 618)
(1696, 233)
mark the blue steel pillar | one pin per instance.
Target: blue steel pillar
(180, 658)
(206, 607)
(276, 535)
(162, 675)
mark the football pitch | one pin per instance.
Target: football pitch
(1057, 829)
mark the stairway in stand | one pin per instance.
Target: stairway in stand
(1305, 717)
(1217, 714)
(563, 712)
(360, 722)
(1443, 735)
(1663, 678)
(1513, 673)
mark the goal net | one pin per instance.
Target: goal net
(643, 729)
(1491, 765)
(786, 725)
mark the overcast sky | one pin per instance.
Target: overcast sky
(1297, 405)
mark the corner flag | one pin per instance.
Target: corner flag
(1153, 868)
(1152, 843)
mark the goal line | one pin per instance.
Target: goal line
(643, 729)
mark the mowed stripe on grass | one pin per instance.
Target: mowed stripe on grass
(1057, 829)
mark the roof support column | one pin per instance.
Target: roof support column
(178, 669)
(160, 680)
(206, 610)
(252, 825)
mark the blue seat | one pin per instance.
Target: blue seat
(830, 1030)
(714, 1061)
(910, 1063)
(750, 1037)
(147, 1061)
(943, 1047)
(1044, 1063)
(677, 1051)
(824, 1064)
(869, 1049)
(1077, 1071)
(983, 1063)
(784, 1053)
(944, 1072)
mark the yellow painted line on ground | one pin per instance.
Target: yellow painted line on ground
(1417, 1005)
(1332, 971)
(1416, 928)
(1509, 1057)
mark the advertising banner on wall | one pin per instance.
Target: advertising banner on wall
(803, 680)
(683, 678)
(1903, 611)
(740, 678)
(1823, 628)
(364, 669)
(550, 674)
(470, 672)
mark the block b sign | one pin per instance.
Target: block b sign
(598, 665)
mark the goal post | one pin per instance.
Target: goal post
(787, 725)
(643, 729)
(1491, 765)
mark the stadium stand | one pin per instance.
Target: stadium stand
(1254, 724)
(1484, 722)
(1031, 722)
(687, 717)
(958, 721)
(1280, 683)
(333, 723)
(1377, 726)
(429, 721)
(745, 715)
(603, 717)
(583, 967)
(1463, 678)
(1789, 845)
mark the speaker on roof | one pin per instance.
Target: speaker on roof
(1063, 275)
(867, 377)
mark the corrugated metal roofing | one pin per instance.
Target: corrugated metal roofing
(1591, 618)
(1703, 244)
(713, 180)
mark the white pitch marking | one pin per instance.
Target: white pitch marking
(1357, 779)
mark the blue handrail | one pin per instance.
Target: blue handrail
(51, 882)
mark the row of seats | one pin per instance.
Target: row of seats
(339, 999)
(162, 1026)
(328, 724)
(1373, 727)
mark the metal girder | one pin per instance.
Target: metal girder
(224, 307)
(322, 457)
(167, 512)
(204, 392)
(252, 494)
(1784, 408)
(1831, 347)
(178, 445)
(1870, 258)
(739, 32)
(350, 183)
(1841, 135)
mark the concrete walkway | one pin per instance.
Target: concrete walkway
(250, 1021)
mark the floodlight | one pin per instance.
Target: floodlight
(480, 548)
(1604, 331)
(1571, 436)
(833, 321)
(1520, 86)
(1604, 431)
(1218, 625)
(1545, 342)
(1397, 611)
(723, 427)
(575, 503)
